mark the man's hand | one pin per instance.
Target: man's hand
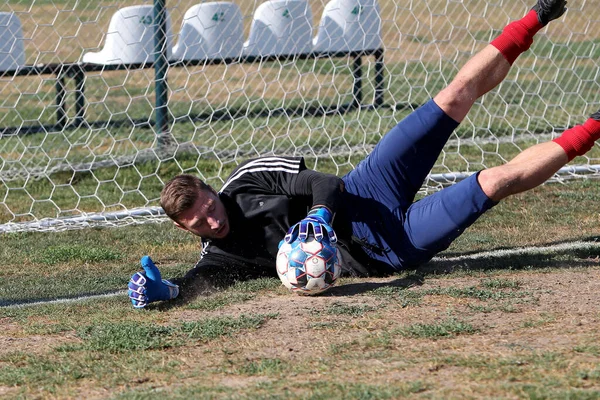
(147, 286)
(319, 219)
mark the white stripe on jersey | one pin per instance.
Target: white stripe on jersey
(266, 164)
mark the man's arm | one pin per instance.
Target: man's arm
(326, 189)
(215, 270)
(212, 272)
(289, 176)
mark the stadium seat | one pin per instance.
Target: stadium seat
(130, 38)
(12, 50)
(349, 25)
(280, 27)
(210, 31)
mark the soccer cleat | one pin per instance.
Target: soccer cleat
(596, 115)
(548, 10)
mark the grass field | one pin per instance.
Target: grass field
(510, 324)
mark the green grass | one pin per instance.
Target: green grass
(450, 327)
(121, 337)
(78, 253)
(350, 310)
(125, 348)
(97, 343)
(100, 260)
(498, 283)
(239, 292)
(475, 293)
(264, 366)
(542, 320)
(399, 295)
(512, 326)
(127, 337)
(590, 349)
(314, 390)
(75, 262)
(219, 326)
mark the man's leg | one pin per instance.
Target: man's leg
(433, 223)
(405, 156)
(538, 163)
(489, 67)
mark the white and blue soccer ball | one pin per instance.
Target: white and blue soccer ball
(309, 267)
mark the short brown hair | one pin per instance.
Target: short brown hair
(180, 194)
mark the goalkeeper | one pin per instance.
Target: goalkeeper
(378, 226)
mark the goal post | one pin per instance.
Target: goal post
(88, 136)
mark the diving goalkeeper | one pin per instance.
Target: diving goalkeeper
(378, 226)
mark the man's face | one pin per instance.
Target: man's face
(207, 218)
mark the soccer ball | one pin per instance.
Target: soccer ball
(309, 267)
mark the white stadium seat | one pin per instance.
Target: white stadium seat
(349, 25)
(130, 38)
(280, 27)
(210, 31)
(12, 50)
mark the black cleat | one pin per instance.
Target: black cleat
(596, 115)
(548, 10)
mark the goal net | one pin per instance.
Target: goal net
(79, 145)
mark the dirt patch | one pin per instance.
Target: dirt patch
(522, 326)
(550, 311)
(15, 340)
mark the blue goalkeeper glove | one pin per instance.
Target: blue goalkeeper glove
(319, 219)
(147, 286)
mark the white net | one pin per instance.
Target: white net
(79, 145)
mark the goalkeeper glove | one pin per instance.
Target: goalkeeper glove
(319, 219)
(147, 286)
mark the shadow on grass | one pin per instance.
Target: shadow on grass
(581, 254)
(555, 248)
(355, 288)
(193, 290)
(562, 254)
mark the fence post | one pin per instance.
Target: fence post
(61, 108)
(79, 76)
(357, 74)
(379, 78)
(161, 65)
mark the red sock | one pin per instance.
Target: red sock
(517, 36)
(579, 139)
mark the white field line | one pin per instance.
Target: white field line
(580, 245)
(65, 300)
